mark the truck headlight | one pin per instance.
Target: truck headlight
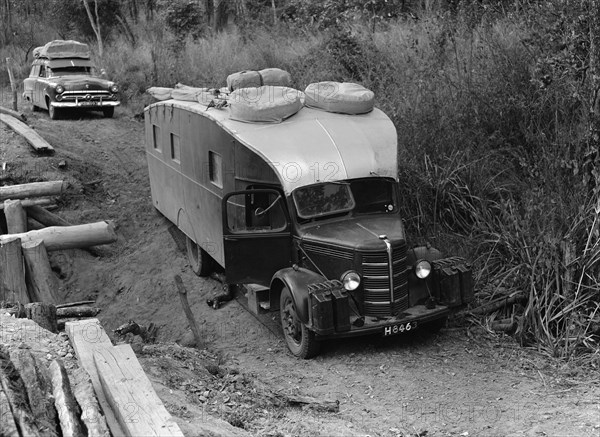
(422, 269)
(59, 89)
(114, 89)
(351, 280)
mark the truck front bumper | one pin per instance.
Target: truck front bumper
(410, 319)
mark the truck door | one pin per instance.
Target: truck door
(256, 234)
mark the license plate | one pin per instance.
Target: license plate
(85, 103)
(399, 328)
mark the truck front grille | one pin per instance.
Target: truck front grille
(378, 301)
(327, 251)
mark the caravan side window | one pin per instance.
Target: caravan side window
(156, 138)
(215, 168)
(175, 148)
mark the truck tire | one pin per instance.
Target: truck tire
(108, 112)
(200, 261)
(300, 340)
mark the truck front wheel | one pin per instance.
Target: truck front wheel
(300, 340)
(200, 261)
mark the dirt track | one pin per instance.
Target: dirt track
(456, 382)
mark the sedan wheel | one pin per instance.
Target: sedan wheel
(53, 112)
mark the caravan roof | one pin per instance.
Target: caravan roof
(314, 145)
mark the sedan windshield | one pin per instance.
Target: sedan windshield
(323, 200)
(65, 71)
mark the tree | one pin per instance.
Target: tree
(594, 71)
(95, 23)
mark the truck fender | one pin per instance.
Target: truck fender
(185, 225)
(422, 252)
(296, 280)
(418, 288)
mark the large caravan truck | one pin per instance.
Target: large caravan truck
(308, 211)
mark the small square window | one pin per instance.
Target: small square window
(215, 168)
(156, 138)
(175, 148)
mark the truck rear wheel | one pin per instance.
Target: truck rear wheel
(300, 340)
(200, 261)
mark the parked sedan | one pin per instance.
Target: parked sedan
(54, 84)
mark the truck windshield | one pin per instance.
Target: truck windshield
(323, 200)
(361, 196)
(373, 195)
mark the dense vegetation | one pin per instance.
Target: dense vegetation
(494, 102)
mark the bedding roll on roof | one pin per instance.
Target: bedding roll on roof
(255, 79)
(265, 104)
(341, 97)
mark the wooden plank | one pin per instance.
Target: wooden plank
(13, 388)
(65, 402)
(69, 237)
(32, 189)
(39, 390)
(7, 421)
(188, 311)
(90, 409)
(12, 272)
(32, 137)
(26, 203)
(17, 115)
(16, 219)
(137, 406)
(40, 279)
(88, 336)
(46, 217)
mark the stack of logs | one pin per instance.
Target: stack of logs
(26, 277)
(37, 399)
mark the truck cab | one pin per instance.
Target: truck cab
(308, 211)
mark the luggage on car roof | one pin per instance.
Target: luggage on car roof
(59, 48)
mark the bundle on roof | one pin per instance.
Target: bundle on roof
(59, 48)
(159, 92)
(255, 79)
(189, 93)
(266, 104)
(342, 97)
